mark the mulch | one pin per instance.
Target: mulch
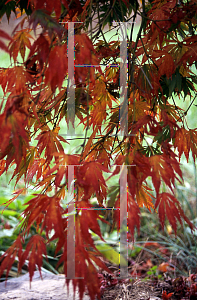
(180, 288)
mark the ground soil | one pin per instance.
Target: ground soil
(53, 287)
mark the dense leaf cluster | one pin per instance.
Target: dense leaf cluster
(161, 68)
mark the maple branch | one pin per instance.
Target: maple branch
(65, 12)
(177, 110)
(149, 116)
(101, 140)
(116, 137)
(149, 57)
(185, 112)
(132, 28)
(119, 146)
(152, 20)
(61, 108)
(86, 132)
(123, 17)
(90, 18)
(105, 17)
(100, 26)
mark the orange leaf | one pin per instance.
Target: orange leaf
(163, 267)
(46, 210)
(15, 80)
(21, 40)
(169, 206)
(133, 215)
(85, 55)
(166, 296)
(34, 250)
(86, 273)
(58, 67)
(164, 168)
(8, 258)
(167, 66)
(89, 143)
(90, 177)
(88, 220)
(49, 140)
(144, 197)
(186, 140)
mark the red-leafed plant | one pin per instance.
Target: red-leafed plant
(161, 66)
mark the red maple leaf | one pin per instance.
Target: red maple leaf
(166, 296)
(170, 207)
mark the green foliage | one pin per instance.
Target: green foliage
(7, 7)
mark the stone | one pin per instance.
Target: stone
(52, 287)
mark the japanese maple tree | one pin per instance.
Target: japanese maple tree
(161, 66)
